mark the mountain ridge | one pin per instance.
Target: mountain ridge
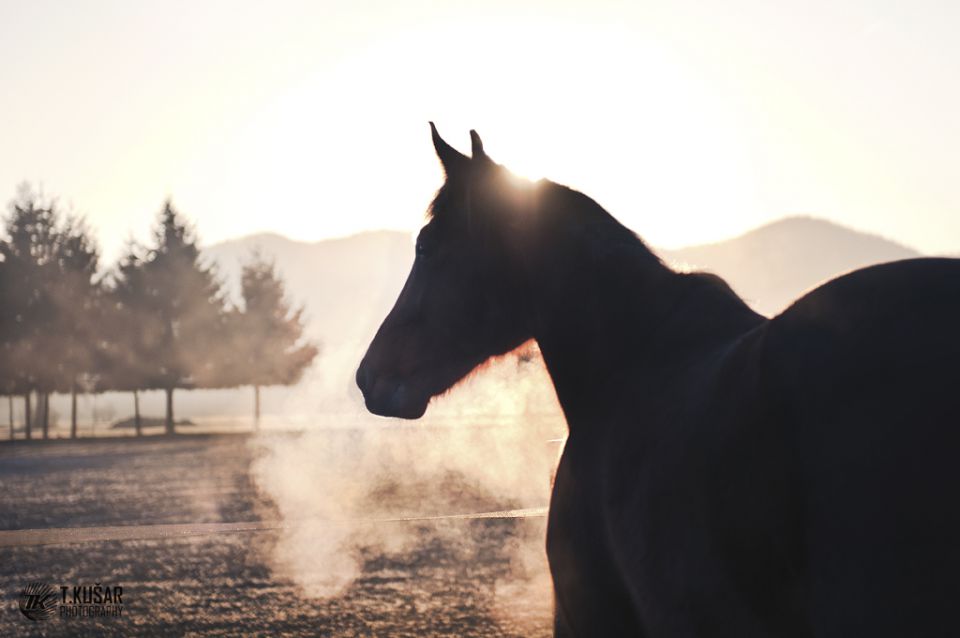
(769, 265)
(772, 265)
(348, 284)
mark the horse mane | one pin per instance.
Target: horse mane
(610, 241)
(439, 202)
(569, 207)
(601, 229)
(593, 232)
(590, 249)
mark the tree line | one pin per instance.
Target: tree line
(158, 319)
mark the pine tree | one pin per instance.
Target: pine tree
(76, 298)
(188, 314)
(49, 294)
(132, 332)
(268, 333)
(8, 382)
(28, 253)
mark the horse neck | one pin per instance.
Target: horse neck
(610, 312)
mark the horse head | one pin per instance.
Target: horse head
(463, 301)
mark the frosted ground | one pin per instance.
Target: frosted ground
(301, 575)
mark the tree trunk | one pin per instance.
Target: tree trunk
(38, 411)
(256, 408)
(169, 424)
(28, 425)
(73, 411)
(136, 412)
(10, 402)
(46, 415)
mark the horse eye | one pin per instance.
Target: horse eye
(422, 250)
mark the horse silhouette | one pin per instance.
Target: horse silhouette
(725, 474)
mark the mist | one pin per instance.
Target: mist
(369, 486)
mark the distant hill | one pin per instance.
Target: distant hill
(346, 284)
(349, 284)
(774, 264)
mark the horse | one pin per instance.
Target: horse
(725, 473)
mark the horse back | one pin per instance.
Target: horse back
(886, 335)
(865, 373)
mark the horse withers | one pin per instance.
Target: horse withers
(725, 474)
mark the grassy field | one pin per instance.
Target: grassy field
(455, 579)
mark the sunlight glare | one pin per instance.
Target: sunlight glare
(610, 116)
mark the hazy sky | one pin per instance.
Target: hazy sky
(690, 121)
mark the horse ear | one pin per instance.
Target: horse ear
(452, 160)
(477, 146)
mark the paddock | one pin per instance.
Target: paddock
(181, 525)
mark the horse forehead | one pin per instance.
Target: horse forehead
(430, 230)
(442, 230)
(441, 201)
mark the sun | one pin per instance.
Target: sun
(348, 148)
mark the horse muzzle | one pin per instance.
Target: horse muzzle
(388, 396)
